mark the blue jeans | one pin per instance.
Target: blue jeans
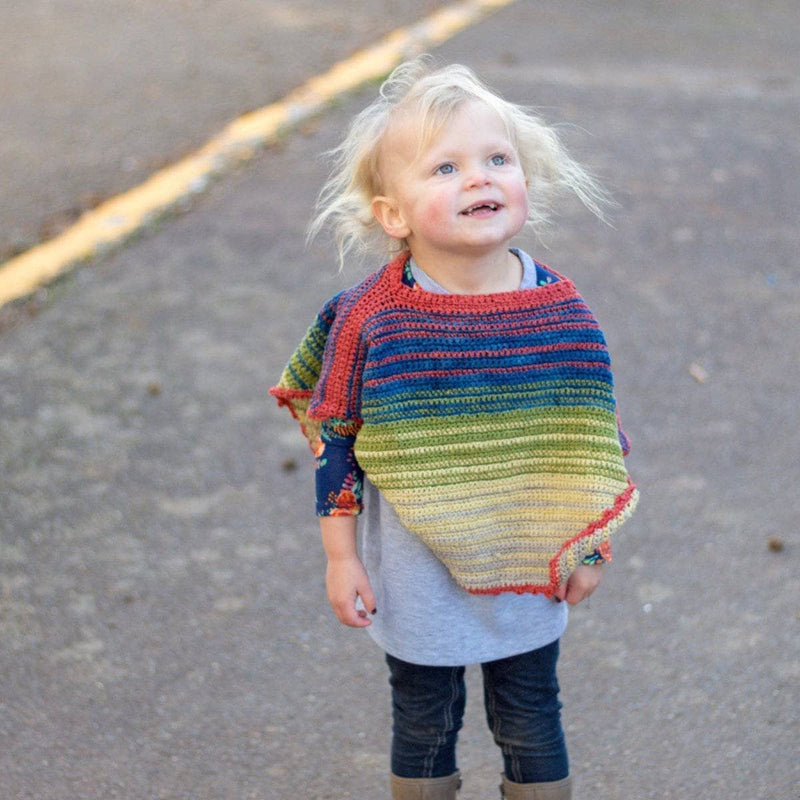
(522, 709)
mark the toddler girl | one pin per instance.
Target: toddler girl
(460, 404)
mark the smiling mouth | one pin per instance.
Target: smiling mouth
(480, 208)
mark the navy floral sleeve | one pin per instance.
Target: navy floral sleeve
(339, 479)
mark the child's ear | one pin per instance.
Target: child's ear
(387, 213)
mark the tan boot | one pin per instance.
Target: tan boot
(426, 788)
(555, 790)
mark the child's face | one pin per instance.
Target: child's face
(464, 194)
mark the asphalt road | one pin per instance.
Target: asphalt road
(97, 97)
(163, 627)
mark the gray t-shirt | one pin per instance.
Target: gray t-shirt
(424, 616)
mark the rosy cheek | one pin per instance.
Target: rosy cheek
(436, 211)
(522, 198)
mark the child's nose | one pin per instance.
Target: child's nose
(477, 176)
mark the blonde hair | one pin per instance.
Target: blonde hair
(344, 203)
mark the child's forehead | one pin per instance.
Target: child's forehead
(420, 128)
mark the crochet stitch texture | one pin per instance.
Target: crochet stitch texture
(487, 421)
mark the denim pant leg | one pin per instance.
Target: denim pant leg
(524, 714)
(428, 710)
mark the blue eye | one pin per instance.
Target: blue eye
(445, 169)
(498, 160)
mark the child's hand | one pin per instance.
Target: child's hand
(580, 584)
(346, 581)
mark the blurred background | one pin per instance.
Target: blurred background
(97, 96)
(163, 625)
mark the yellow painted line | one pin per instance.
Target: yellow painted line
(116, 219)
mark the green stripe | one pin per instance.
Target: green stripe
(447, 451)
(581, 421)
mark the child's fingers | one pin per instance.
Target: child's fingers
(367, 598)
(347, 609)
(576, 594)
(346, 581)
(583, 582)
(579, 585)
(347, 613)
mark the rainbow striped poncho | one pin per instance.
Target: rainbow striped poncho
(488, 422)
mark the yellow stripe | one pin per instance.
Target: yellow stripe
(495, 508)
(113, 221)
(451, 475)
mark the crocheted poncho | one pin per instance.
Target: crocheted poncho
(487, 421)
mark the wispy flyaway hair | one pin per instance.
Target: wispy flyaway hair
(344, 204)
